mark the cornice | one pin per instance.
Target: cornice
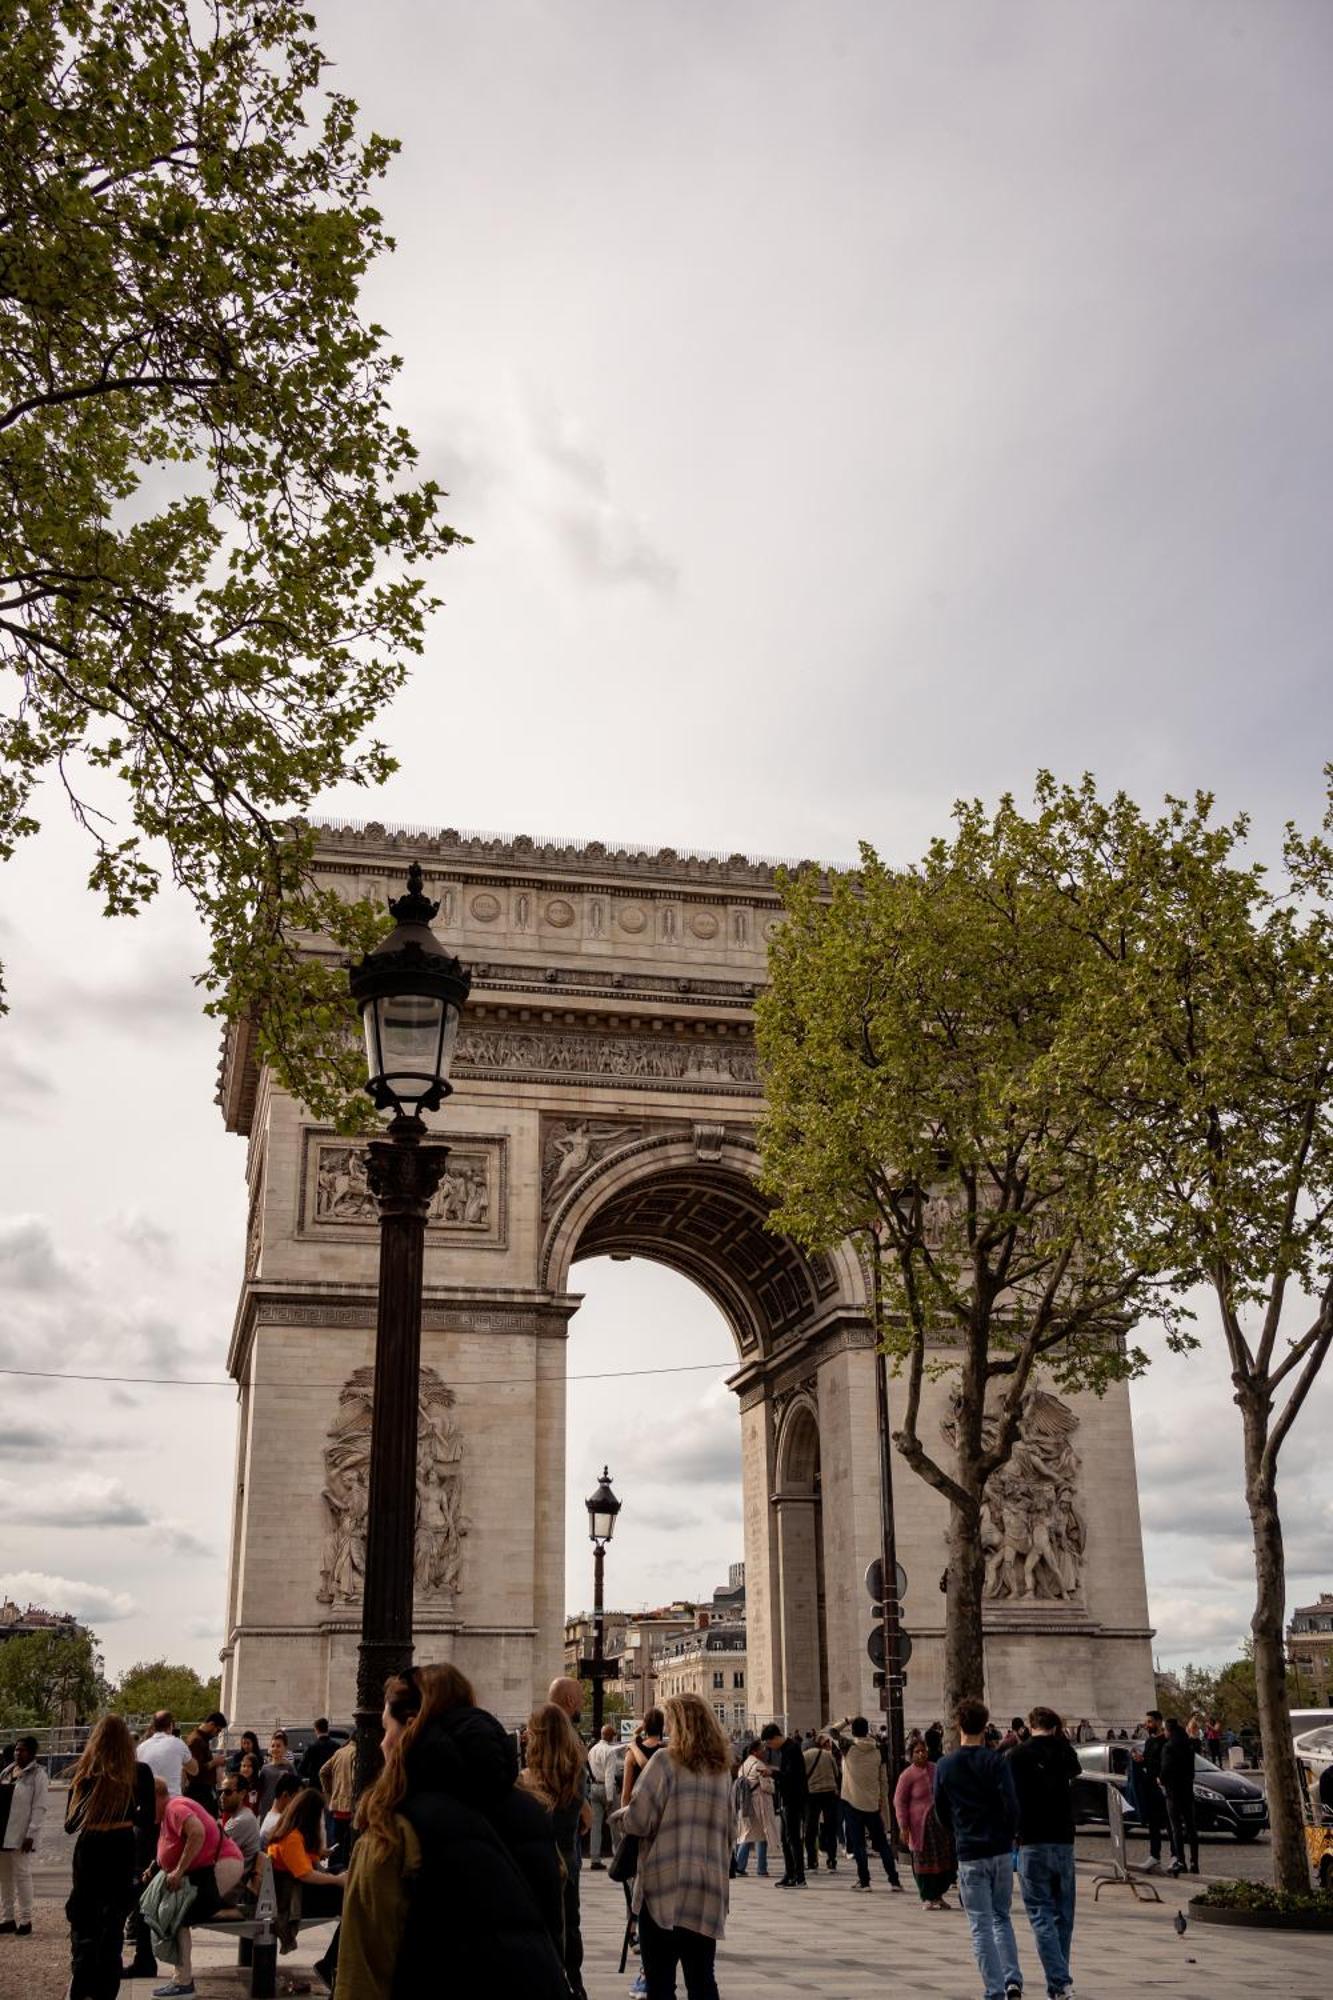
(534, 859)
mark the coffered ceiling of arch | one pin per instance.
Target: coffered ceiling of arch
(709, 1223)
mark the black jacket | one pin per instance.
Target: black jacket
(314, 1757)
(1043, 1769)
(1153, 1746)
(485, 1913)
(975, 1798)
(793, 1781)
(1178, 1763)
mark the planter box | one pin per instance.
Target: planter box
(1263, 1920)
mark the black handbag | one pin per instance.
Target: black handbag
(625, 1861)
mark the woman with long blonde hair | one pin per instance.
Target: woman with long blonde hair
(681, 1812)
(554, 1773)
(455, 1866)
(110, 1800)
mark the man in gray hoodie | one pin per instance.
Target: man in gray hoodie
(865, 1805)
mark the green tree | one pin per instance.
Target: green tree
(904, 1039)
(153, 1684)
(212, 534)
(48, 1677)
(1209, 1037)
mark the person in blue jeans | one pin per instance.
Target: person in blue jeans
(975, 1798)
(1043, 1770)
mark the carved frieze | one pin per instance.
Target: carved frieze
(440, 1523)
(645, 1061)
(1034, 1535)
(469, 1202)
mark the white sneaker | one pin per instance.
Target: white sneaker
(1152, 1866)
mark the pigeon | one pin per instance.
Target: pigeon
(1181, 1922)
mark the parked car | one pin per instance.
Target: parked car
(1224, 1802)
(1314, 1748)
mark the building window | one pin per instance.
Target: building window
(720, 1710)
(719, 1680)
(738, 1680)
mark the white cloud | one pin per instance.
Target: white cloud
(89, 1601)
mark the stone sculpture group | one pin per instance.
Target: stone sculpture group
(440, 1525)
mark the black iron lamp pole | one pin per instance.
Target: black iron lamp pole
(891, 1696)
(410, 992)
(603, 1507)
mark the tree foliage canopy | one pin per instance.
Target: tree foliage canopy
(909, 1040)
(212, 534)
(44, 1673)
(154, 1684)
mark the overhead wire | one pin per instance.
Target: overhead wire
(475, 1382)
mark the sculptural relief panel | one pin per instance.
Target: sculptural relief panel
(1033, 1532)
(471, 1200)
(707, 1062)
(441, 1526)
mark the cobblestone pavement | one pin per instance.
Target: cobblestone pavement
(827, 1942)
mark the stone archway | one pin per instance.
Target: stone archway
(607, 1100)
(690, 1202)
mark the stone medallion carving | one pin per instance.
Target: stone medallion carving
(632, 919)
(1034, 1536)
(571, 1145)
(559, 914)
(704, 924)
(485, 907)
(440, 1525)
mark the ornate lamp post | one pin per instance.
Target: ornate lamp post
(603, 1507)
(410, 992)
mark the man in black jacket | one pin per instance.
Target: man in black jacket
(1178, 1784)
(1145, 1784)
(975, 1799)
(793, 1793)
(1043, 1768)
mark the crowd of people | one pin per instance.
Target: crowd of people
(479, 1834)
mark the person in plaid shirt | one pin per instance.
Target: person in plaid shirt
(681, 1811)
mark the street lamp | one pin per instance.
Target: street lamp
(603, 1507)
(410, 993)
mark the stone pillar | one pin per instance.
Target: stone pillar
(797, 1529)
(849, 1458)
(764, 1665)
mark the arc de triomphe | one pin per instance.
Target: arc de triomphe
(606, 1102)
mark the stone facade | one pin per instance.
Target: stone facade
(710, 1662)
(606, 1101)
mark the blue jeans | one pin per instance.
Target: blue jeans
(743, 1856)
(857, 1828)
(1046, 1872)
(985, 1890)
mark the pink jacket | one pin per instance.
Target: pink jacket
(911, 1801)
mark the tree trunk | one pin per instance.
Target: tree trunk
(1291, 1866)
(964, 1657)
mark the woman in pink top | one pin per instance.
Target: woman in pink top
(190, 1843)
(932, 1849)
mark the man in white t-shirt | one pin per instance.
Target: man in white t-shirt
(166, 1756)
(601, 1767)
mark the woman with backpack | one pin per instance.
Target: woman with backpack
(756, 1814)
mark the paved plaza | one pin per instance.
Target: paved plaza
(825, 1941)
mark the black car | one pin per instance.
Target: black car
(1223, 1801)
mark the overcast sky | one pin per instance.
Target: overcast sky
(853, 406)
